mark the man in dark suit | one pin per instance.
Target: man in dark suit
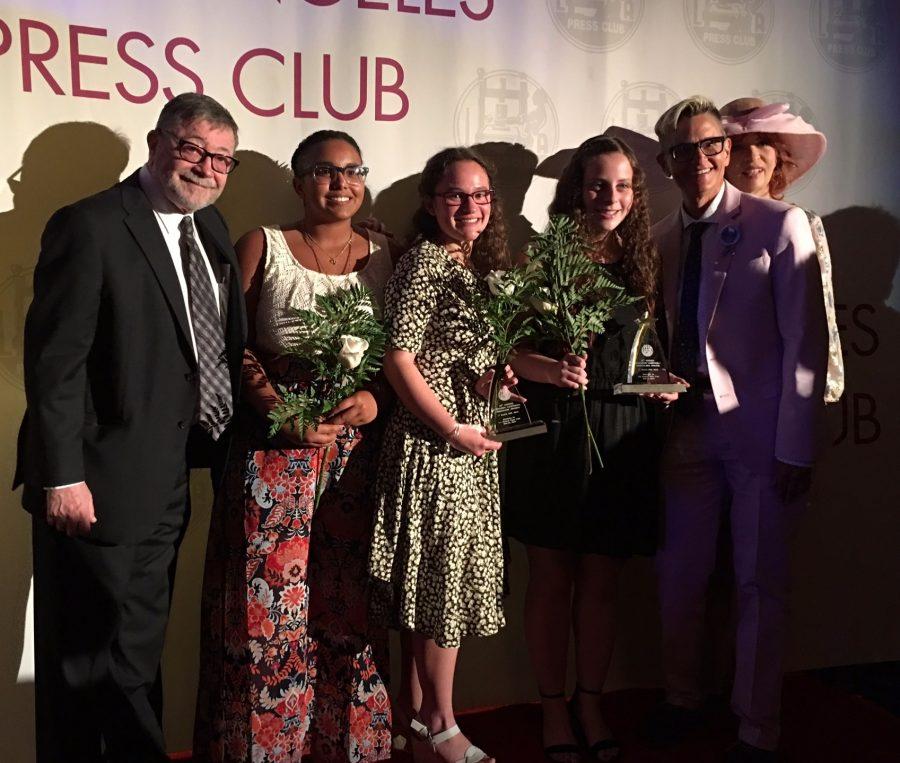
(133, 346)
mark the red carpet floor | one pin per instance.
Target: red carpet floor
(821, 724)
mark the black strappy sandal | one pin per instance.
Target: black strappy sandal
(564, 748)
(604, 750)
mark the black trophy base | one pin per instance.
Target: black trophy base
(637, 389)
(527, 429)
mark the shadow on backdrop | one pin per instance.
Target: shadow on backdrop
(515, 167)
(61, 165)
(848, 545)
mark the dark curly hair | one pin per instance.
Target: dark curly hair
(489, 250)
(314, 139)
(640, 264)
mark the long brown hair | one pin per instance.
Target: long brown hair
(640, 264)
(490, 250)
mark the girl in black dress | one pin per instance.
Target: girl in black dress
(580, 525)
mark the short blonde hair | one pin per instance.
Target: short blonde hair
(690, 107)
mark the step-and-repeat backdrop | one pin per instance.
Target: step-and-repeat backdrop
(82, 83)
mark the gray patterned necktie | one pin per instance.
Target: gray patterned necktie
(214, 410)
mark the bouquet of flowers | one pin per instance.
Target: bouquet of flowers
(341, 343)
(572, 294)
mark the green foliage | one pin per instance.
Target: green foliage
(575, 294)
(506, 310)
(578, 293)
(321, 334)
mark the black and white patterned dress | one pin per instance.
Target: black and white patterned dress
(437, 557)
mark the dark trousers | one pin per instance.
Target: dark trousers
(100, 614)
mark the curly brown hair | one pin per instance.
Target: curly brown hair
(640, 264)
(779, 182)
(490, 250)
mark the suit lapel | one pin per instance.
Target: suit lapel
(718, 246)
(145, 229)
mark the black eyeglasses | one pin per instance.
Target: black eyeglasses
(708, 147)
(324, 172)
(456, 198)
(191, 152)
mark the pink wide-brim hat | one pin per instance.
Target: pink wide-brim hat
(803, 143)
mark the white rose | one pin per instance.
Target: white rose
(541, 305)
(497, 285)
(352, 351)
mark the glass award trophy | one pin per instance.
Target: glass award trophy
(647, 370)
(508, 419)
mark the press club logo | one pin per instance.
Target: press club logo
(850, 34)
(596, 25)
(508, 106)
(638, 105)
(729, 31)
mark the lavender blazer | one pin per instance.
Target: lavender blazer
(767, 341)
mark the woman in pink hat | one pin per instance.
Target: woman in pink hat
(770, 149)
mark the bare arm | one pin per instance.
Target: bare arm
(414, 392)
(569, 372)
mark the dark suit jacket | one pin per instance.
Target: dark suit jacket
(110, 373)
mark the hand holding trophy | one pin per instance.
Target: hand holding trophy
(647, 372)
(509, 317)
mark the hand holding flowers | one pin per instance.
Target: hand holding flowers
(573, 297)
(340, 343)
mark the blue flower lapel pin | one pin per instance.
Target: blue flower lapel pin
(730, 235)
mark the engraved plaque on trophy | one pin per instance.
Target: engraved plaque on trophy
(647, 370)
(508, 419)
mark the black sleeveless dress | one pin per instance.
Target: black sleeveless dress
(549, 497)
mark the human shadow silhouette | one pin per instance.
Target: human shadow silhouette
(515, 167)
(847, 552)
(62, 164)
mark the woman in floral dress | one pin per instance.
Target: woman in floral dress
(290, 666)
(437, 559)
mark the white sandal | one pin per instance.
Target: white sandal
(415, 731)
(473, 754)
(410, 732)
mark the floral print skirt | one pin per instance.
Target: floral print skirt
(290, 665)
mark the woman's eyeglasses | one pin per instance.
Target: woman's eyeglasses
(325, 172)
(456, 198)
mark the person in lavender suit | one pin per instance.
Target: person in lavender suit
(744, 309)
